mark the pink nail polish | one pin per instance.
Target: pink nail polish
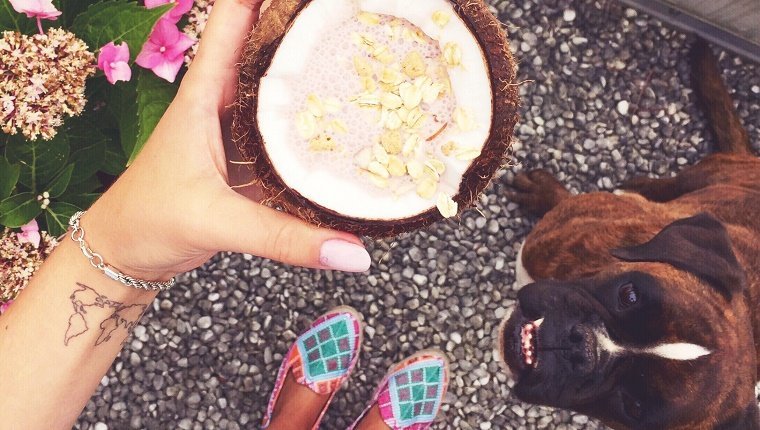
(345, 256)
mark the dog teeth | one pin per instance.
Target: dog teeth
(527, 335)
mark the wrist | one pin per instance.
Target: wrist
(69, 255)
(120, 244)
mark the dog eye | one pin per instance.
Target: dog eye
(632, 407)
(627, 296)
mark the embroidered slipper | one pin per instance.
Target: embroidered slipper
(322, 358)
(410, 395)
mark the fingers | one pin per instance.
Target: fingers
(212, 76)
(251, 228)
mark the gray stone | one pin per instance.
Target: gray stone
(622, 107)
(204, 322)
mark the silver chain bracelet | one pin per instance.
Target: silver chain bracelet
(96, 260)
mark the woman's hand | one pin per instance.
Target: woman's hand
(173, 208)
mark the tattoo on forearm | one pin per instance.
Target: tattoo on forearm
(94, 309)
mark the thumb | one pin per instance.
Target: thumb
(213, 74)
(256, 229)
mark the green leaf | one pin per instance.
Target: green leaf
(57, 217)
(88, 150)
(8, 177)
(83, 201)
(115, 161)
(14, 21)
(71, 9)
(153, 98)
(40, 160)
(123, 105)
(98, 90)
(117, 21)
(90, 185)
(59, 184)
(18, 210)
(87, 161)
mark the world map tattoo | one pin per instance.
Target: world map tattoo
(94, 309)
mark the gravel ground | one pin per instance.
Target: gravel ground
(608, 97)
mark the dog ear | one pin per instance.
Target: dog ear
(699, 245)
(747, 419)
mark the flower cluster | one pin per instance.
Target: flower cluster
(164, 50)
(21, 254)
(196, 22)
(42, 78)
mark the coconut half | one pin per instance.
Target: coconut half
(375, 116)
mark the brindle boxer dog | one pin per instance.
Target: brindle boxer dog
(641, 308)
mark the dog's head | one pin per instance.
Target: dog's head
(662, 339)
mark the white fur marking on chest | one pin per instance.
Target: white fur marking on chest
(681, 351)
(522, 278)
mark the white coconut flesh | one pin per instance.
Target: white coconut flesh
(374, 109)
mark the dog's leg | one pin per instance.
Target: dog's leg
(537, 192)
(730, 136)
(655, 189)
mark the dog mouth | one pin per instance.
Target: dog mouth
(529, 343)
(518, 346)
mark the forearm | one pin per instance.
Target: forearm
(59, 339)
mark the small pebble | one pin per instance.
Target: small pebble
(622, 107)
(456, 338)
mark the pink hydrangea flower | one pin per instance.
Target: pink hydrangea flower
(180, 8)
(4, 306)
(113, 60)
(36, 8)
(164, 51)
(30, 233)
(40, 9)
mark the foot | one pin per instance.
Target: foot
(312, 372)
(372, 420)
(298, 407)
(410, 396)
(537, 192)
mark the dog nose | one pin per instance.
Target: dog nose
(582, 353)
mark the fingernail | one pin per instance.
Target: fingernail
(345, 256)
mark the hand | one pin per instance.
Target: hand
(173, 208)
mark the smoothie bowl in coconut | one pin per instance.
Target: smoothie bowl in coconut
(375, 117)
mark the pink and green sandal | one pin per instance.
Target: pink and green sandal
(410, 395)
(322, 358)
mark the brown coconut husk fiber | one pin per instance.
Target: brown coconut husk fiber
(256, 59)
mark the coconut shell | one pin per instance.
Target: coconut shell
(257, 56)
